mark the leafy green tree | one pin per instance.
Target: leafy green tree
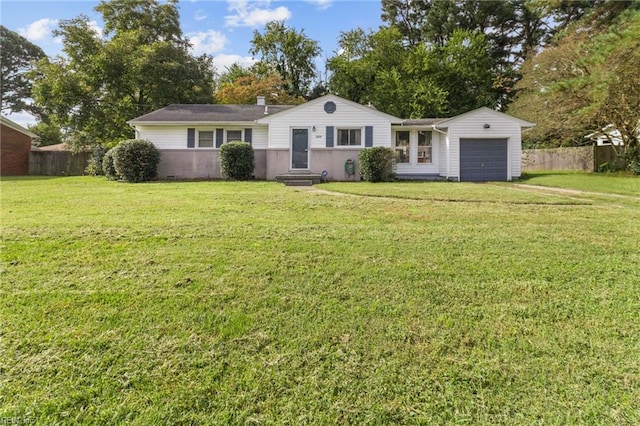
(48, 133)
(563, 13)
(413, 81)
(289, 53)
(141, 63)
(586, 81)
(233, 73)
(352, 69)
(245, 90)
(511, 28)
(18, 57)
(620, 106)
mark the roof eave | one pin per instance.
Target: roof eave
(18, 128)
(391, 118)
(194, 123)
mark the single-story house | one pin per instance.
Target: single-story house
(15, 146)
(320, 136)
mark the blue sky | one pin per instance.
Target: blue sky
(220, 28)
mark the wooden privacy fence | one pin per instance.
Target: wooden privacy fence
(606, 154)
(585, 158)
(58, 163)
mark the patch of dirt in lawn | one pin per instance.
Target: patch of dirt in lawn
(313, 190)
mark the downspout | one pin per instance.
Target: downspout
(433, 126)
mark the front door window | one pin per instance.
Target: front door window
(300, 149)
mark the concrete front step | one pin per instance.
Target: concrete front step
(299, 182)
(299, 179)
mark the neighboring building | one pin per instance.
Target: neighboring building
(15, 146)
(323, 134)
(609, 135)
(59, 147)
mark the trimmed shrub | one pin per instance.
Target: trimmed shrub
(237, 160)
(94, 167)
(376, 164)
(136, 160)
(107, 165)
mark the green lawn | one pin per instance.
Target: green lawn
(616, 183)
(412, 303)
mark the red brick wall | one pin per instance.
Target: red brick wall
(14, 152)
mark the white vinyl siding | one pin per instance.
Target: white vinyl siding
(175, 136)
(313, 115)
(444, 140)
(259, 137)
(472, 126)
(164, 137)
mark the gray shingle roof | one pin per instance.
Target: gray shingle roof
(209, 113)
(422, 121)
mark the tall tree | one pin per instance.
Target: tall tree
(512, 29)
(140, 63)
(245, 90)
(413, 81)
(233, 73)
(289, 53)
(18, 58)
(587, 80)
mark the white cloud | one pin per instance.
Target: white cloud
(321, 4)
(223, 61)
(199, 15)
(42, 30)
(247, 13)
(207, 42)
(22, 118)
(95, 27)
(39, 30)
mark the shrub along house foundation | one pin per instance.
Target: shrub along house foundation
(321, 136)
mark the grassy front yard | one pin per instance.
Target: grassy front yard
(615, 183)
(215, 302)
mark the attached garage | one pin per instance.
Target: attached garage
(482, 145)
(484, 160)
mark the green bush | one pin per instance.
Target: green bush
(633, 160)
(107, 165)
(94, 167)
(237, 160)
(376, 164)
(136, 160)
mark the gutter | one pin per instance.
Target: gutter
(194, 123)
